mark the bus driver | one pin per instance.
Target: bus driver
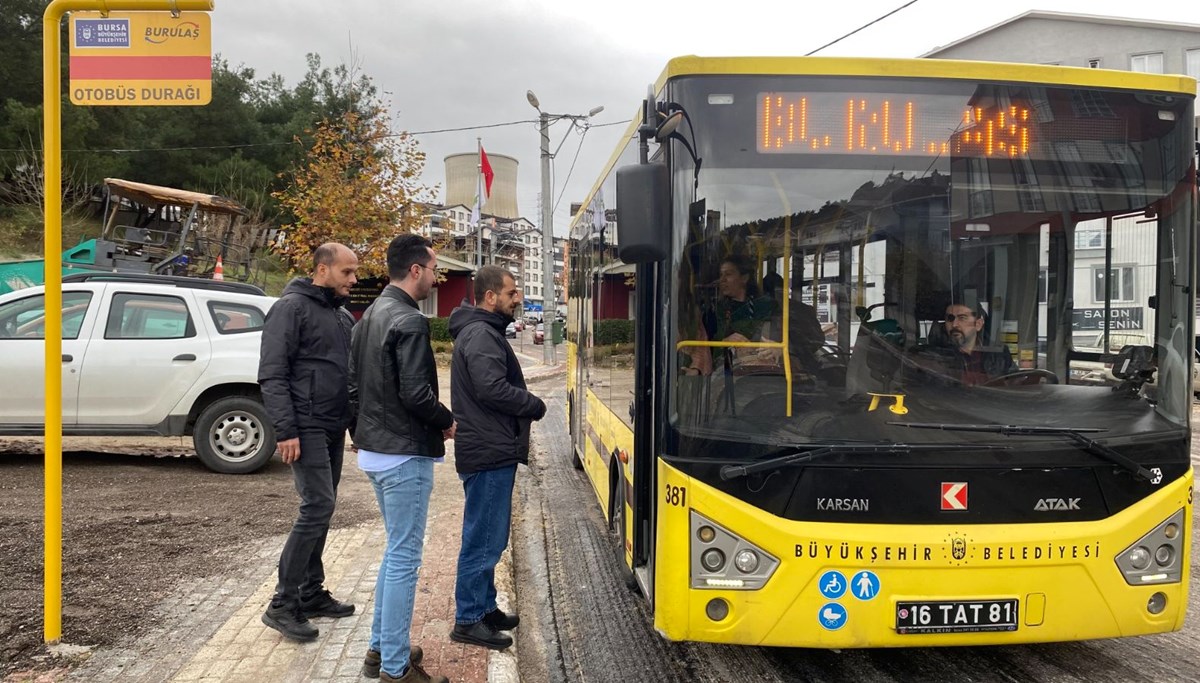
(972, 363)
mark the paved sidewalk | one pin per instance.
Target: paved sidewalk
(212, 630)
(217, 635)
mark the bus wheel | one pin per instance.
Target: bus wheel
(617, 523)
(575, 440)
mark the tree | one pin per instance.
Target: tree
(359, 185)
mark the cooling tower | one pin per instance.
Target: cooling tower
(462, 172)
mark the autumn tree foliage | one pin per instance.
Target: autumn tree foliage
(359, 185)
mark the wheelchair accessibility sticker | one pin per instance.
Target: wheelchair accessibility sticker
(832, 584)
(832, 616)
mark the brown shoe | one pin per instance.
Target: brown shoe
(415, 674)
(373, 660)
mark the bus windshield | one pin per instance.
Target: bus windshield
(853, 255)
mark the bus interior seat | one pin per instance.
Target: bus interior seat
(876, 356)
(937, 335)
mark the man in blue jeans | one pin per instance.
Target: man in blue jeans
(493, 412)
(302, 372)
(400, 433)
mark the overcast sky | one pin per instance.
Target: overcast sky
(467, 63)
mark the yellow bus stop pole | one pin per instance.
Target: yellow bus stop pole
(52, 264)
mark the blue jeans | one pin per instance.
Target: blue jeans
(484, 536)
(403, 496)
(317, 473)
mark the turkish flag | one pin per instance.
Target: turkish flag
(486, 169)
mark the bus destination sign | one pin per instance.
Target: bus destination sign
(886, 123)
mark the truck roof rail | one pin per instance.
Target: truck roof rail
(175, 280)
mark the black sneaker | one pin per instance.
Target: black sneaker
(500, 621)
(291, 622)
(323, 604)
(373, 661)
(480, 633)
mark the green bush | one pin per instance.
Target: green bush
(439, 329)
(612, 332)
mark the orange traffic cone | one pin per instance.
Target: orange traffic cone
(218, 270)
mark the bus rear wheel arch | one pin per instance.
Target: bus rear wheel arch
(616, 520)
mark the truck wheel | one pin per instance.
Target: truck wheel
(234, 436)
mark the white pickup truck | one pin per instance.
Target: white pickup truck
(1100, 372)
(144, 355)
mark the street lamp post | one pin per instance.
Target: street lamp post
(549, 295)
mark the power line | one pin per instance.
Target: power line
(838, 40)
(456, 130)
(245, 145)
(128, 150)
(571, 170)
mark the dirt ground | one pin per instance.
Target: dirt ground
(139, 516)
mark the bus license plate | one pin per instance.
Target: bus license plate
(956, 616)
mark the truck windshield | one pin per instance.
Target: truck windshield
(964, 252)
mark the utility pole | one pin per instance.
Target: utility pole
(549, 293)
(549, 298)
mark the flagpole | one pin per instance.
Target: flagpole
(479, 203)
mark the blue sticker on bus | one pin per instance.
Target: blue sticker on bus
(865, 585)
(832, 616)
(832, 584)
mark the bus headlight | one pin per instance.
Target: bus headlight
(1140, 566)
(1139, 558)
(712, 560)
(1164, 555)
(713, 548)
(746, 561)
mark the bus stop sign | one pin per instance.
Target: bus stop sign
(145, 59)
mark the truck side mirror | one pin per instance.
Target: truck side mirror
(643, 226)
(1134, 362)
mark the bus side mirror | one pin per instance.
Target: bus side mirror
(643, 229)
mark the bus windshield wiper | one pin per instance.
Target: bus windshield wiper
(1076, 434)
(810, 452)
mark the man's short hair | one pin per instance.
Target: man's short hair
(324, 255)
(490, 279)
(976, 310)
(404, 252)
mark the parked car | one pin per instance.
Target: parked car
(144, 355)
(519, 324)
(539, 333)
(510, 332)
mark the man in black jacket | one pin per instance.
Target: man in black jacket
(400, 433)
(302, 372)
(493, 412)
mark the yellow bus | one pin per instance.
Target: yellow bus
(828, 321)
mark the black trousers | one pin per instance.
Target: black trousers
(317, 472)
